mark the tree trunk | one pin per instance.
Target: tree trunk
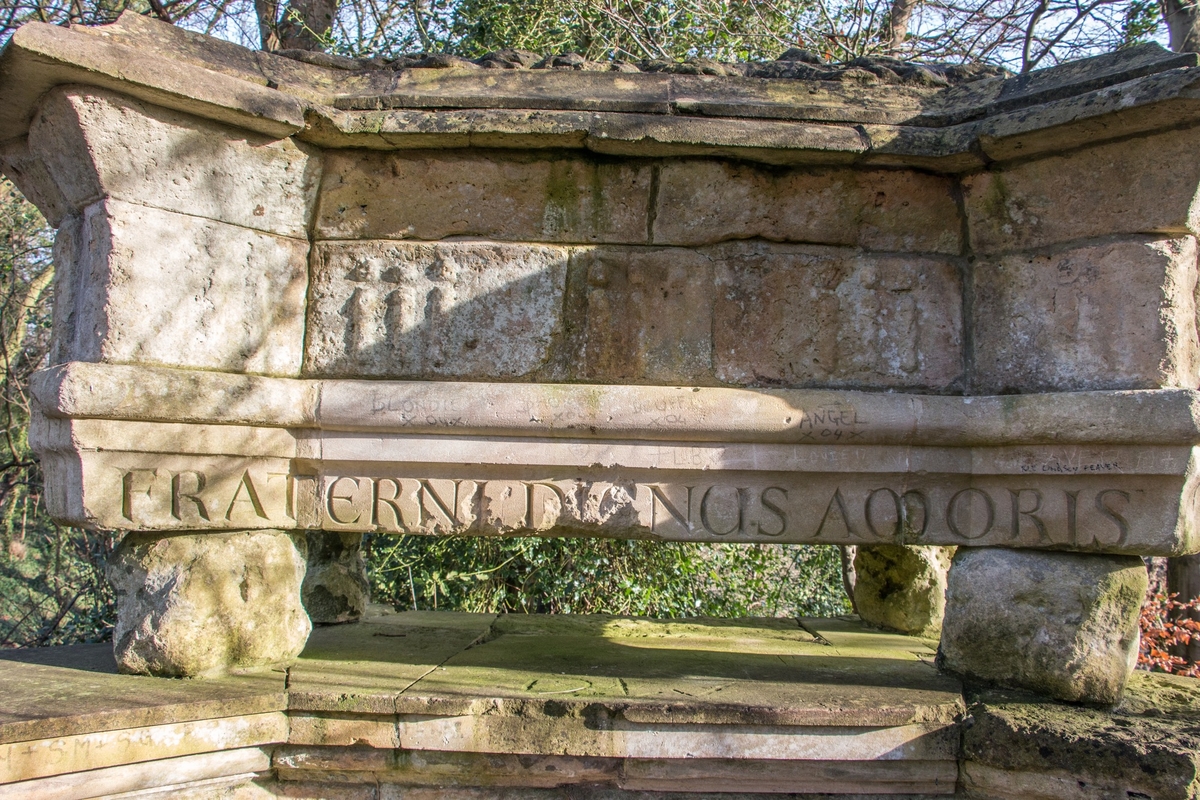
(1183, 23)
(848, 576)
(301, 25)
(898, 20)
(1183, 578)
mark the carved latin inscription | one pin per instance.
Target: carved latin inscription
(190, 493)
(1083, 514)
(1109, 499)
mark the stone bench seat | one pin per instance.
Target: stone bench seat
(438, 704)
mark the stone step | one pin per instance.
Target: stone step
(491, 707)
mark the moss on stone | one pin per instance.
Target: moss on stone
(1150, 744)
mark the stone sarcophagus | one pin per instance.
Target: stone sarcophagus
(876, 304)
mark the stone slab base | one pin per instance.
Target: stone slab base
(426, 704)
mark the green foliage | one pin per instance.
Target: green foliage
(52, 588)
(1142, 21)
(660, 579)
(730, 30)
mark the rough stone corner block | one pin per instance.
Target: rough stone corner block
(141, 285)
(181, 241)
(335, 585)
(195, 604)
(1062, 624)
(1115, 314)
(902, 587)
(96, 144)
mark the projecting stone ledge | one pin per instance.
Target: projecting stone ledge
(872, 111)
(556, 707)
(172, 450)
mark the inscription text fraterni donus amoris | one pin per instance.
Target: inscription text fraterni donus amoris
(1055, 510)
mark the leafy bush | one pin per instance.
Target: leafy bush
(1168, 628)
(661, 579)
(52, 589)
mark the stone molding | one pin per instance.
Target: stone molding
(951, 129)
(83, 390)
(680, 463)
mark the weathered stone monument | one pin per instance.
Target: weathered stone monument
(877, 304)
(655, 306)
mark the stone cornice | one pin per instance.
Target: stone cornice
(774, 120)
(82, 390)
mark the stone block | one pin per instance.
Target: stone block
(430, 195)
(646, 316)
(629, 461)
(154, 287)
(703, 202)
(1148, 746)
(739, 314)
(71, 260)
(203, 604)
(1148, 185)
(1112, 315)
(836, 317)
(223, 773)
(400, 309)
(1061, 624)
(335, 582)
(50, 55)
(60, 756)
(902, 588)
(29, 174)
(98, 144)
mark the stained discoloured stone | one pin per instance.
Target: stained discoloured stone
(1019, 747)
(740, 314)
(1060, 624)
(902, 588)
(371, 195)
(362, 668)
(1147, 185)
(810, 316)
(29, 174)
(202, 604)
(353, 679)
(97, 144)
(638, 673)
(41, 758)
(149, 286)
(704, 202)
(220, 775)
(647, 316)
(56, 692)
(1112, 315)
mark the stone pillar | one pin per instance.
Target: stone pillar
(901, 587)
(181, 242)
(1061, 624)
(200, 604)
(335, 584)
